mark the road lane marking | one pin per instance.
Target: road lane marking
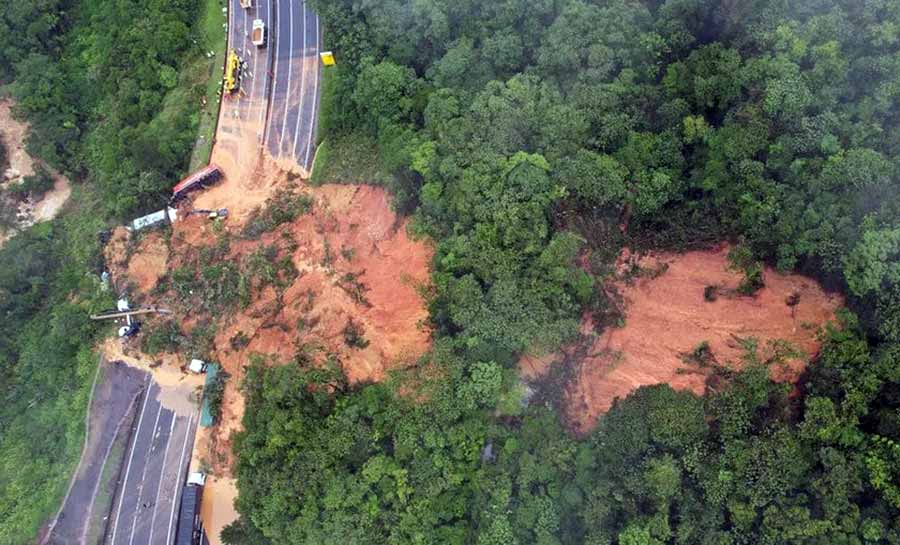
(312, 121)
(302, 88)
(265, 98)
(130, 459)
(274, 68)
(290, 73)
(140, 490)
(159, 483)
(177, 484)
(90, 511)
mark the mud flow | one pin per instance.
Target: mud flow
(673, 333)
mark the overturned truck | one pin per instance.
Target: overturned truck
(204, 177)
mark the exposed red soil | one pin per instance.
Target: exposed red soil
(350, 230)
(148, 264)
(116, 254)
(666, 317)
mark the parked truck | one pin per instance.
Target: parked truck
(190, 528)
(246, 4)
(258, 36)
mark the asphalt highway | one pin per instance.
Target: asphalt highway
(145, 509)
(256, 75)
(112, 411)
(279, 90)
(296, 90)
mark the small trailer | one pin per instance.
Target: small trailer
(258, 35)
(202, 178)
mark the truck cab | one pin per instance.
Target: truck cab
(196, 479)
(197, 366)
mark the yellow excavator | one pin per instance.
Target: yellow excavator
(232, 72)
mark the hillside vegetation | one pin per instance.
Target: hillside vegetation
(103, 87)
(522, 133)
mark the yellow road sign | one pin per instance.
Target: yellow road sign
(327, 58)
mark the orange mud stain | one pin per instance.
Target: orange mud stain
(148, 264)
(355, 262)
(667, 317)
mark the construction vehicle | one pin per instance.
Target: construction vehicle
(207, 175)
(211, 214)
(258, 35)
(190, 528)
(233, 66)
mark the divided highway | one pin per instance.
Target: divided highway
(145, 509)
(280, 89)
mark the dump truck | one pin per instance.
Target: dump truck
(189, 528)
(258, 36)
(207, 175)
(233, 65)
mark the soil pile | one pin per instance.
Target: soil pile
(117, 252)
(148, 264)
(354, 298)
(667, 318)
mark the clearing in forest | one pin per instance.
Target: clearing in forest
(673, 333)
(20, 209)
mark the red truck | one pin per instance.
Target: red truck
(202, 178)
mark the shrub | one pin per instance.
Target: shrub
(214, 391)
(354, 335)
(741, 259)
(239, 340)
(165, 337)
(279, 209)
(34, 187)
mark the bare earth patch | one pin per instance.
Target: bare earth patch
(13, 132)
(28, 212)
(356, 263)
(217, 507)
(667, 317)
(148, 264)
(357, 267)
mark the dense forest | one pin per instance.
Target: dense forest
(521, 133)
(103, 85)
(518, 134)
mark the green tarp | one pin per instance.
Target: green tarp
(206, 417)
